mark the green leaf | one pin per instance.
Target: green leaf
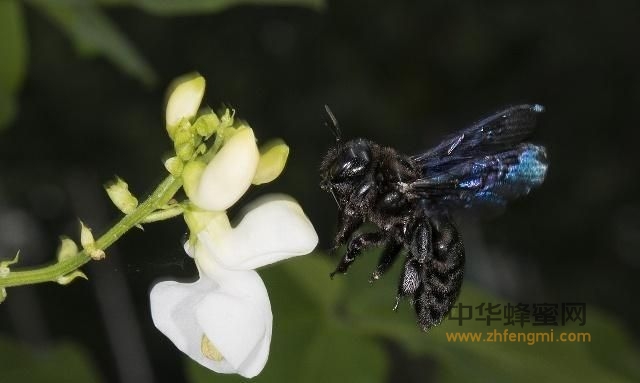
(608, 357)
(182, 7)
(340, 353)
(311, 275)
(13, 47)
(63, 362)
(7, 107)
(94, 34)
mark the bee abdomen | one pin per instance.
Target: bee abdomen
(435, 297)
(441, 278)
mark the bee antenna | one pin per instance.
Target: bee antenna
(335, 127)
(333, 193)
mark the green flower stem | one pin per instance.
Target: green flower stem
(160, 197)
(163, 214)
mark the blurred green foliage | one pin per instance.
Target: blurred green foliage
(62, 362)
(325, 330)
(13, 47)
(94, 34)
(178, 7)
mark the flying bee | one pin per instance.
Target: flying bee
(411, 198)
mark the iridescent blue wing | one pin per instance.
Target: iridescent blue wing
(489, 180)
(485, 165)
(498, 132)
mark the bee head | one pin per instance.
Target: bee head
(344, 166)
(350, 161)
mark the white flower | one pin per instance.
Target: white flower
(222, 321)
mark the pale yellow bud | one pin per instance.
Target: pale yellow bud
(206, 124)
(89, 244)
(273, 158)
(67, 249)
(120, 195)
(185, 96)
(174, 166)
(86, 237)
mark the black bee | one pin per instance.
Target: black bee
(410, 199)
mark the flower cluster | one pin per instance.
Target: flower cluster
(223, 320)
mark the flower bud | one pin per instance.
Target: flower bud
(86, 237)
(120, 195)
(206, 124)
(185, 96)
(174, 166)
(273, 157)
(184, 141)
(67, 249)
(4, 265)
(89, 244)
(227, 176)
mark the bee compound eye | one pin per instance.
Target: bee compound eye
(361, 152)
(353, 161)
(347, 169)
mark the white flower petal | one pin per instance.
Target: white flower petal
(184, 98)
(172, 312)
(243, 283)
(256, 361)
(276, 228)
(229, 174)
(234, 326)
(231, 308)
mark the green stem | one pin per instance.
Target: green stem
(161, 215)
(160, 196)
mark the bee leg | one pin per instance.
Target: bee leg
(389, 255)
(409, 280)
(441, 277)
(348, 222)
(421, 245)
(355, 247)
(420, 252)
(351, 216)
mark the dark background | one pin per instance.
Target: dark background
(401, 73)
